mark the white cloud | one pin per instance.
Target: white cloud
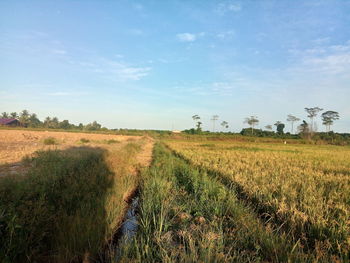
(229, 6)
(186, 37)
(331, 64)
(325, 60)
(111, 69)
(120, 71)
(189, 37)
(131, 73)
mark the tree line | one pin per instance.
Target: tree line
(31, 120)
(304, 128)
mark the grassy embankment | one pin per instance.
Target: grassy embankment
(188, 216)
(304, 189)
(68, 205)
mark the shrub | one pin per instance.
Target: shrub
(111, 141)
(50, 141)
(83, 140)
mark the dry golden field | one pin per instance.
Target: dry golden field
(16, 144)
(306, 188)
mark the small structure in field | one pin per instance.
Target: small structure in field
(176, 131)
(10, 122)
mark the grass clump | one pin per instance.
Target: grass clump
(50, 141)
(112, 141)
(83, 140)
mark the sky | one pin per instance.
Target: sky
(154, 64)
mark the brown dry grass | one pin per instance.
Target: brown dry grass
(16, 144)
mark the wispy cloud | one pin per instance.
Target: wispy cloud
(228, 6)
(113, 70)
(186, 37)
(189, 37)
(325, 60)
(131, 73)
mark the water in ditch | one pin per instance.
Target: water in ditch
(128, 229)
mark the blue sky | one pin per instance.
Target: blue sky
(154, 64)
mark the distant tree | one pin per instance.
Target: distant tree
(268, 127)
(224, 124)
(80, 126)
(198, 126)
(54, 123)
(5, 115)
(252, 121)
(304, 129)
(14, 115)
(328, 119)
(47, 122)
(24, 117)
(196, 118)
(214, 119)
(33, 121)
(64, 124)
(279, 127)
(92, 126)
(312, 113)
(291, 118)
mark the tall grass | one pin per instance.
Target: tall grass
(187, 216)
(67, 206)
(307, 188)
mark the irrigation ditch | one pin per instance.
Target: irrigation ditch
(124, 234)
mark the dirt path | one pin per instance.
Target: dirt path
(144, 158)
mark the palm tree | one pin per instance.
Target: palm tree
(4, 115)
(14, 115)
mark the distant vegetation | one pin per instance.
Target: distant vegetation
(305, 130)
(31, 120)
(298, 130)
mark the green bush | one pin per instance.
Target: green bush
(50, 141)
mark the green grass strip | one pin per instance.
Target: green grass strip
(187, 216)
